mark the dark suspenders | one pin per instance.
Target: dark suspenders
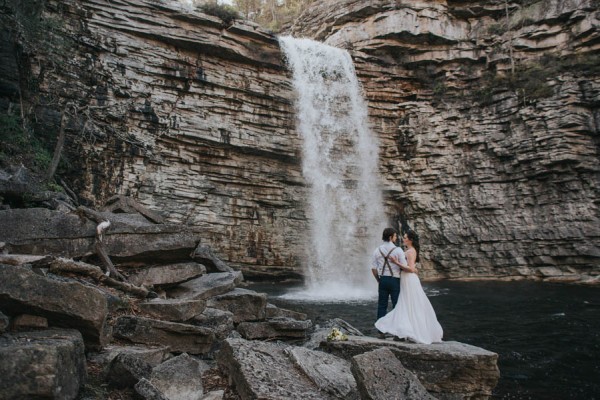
(386, 263)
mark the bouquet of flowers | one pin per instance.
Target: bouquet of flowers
(336, 335)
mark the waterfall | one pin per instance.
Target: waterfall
(340, 166)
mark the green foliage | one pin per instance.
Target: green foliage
(226, 13)
(17, 146)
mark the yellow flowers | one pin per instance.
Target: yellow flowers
(336, 335)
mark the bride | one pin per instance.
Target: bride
(413, 317)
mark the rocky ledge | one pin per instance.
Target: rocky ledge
(182, 326)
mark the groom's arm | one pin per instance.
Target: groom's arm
(402, 266)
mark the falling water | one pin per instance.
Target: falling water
(340, 166)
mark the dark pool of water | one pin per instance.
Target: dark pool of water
(547, 336)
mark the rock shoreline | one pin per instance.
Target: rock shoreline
(190, 330)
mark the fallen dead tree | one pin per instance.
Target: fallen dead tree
(57, 265)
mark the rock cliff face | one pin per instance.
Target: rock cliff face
(497, 179)
(191, 117)
(195, 118)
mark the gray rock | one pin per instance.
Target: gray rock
(207, 286)
(23, 291)
(148, 391)
(173, 309)
(151, 355)
(381, 376)
(126, 369)
(274, 312)
(28, 322)
(4, 322)
(42, 364)
(221, 322)
(447, 369)
(179, 378)
(246, 305)
(321, 332)
(167, 275)
(178, 337)
(331, 374)
(205, 255)
(130, 238)
(214, 395)
(276, 328)
(261, 370)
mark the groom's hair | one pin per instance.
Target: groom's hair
(388, 233)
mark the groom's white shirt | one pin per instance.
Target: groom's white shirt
(377, 260)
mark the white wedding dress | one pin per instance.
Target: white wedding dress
(413, 317)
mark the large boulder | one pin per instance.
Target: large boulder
(178, 337)
(46, 364)
(130, 237)
(381, 376)
(447, 370)
(263, 370)
(62, 301)
(126, 369)
(246, 305)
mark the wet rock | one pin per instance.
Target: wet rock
(173, 309)
(446, 369)
(276, 328)
(381, 376)
(178, 337)
(207, 286)
(42, 364)
(167, 275)
(246, 305)
(22, 290)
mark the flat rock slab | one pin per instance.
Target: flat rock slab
(381, 376)
(447, 369)
(167, 275)
(221, 322)
(176, 310)
(64, 302)
(246, 305)
(131, 237)
(275, 312)
(262, 370)
(151, 355)
(276, 328)
(178, 337)
(207, 286)
(179, 378)
(42, 364)
(331, 374)
(205, 255)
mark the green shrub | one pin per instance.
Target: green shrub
(224, 12)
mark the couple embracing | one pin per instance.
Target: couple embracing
(413, 317)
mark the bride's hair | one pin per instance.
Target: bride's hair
(414, 238)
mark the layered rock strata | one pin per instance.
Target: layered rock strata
(498, 172)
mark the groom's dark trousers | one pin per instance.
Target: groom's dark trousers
(388, 287)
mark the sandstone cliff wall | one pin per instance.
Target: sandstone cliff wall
(192, 118)
(498, 179)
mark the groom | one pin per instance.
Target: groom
(387, 261)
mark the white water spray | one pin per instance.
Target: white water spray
(340, 166)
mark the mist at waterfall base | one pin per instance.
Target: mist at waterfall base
(340, 166)
(547, 336)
